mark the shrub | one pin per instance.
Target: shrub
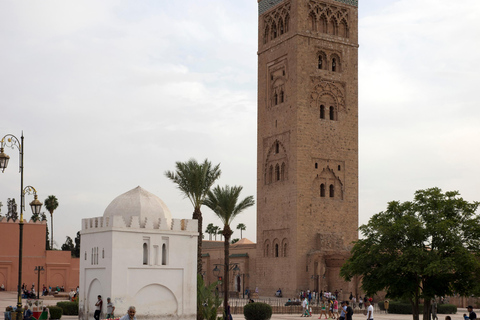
(257, 311)
(446, 308)
(55, 312)
(69, 308)
(402, 307)
(207, 301)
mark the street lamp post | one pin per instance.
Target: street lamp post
(11, 141)
(216, 273)
(38, 270)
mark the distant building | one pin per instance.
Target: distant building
(242, 254)
(60, 268)
(138, 255)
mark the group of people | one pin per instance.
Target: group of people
(329, 309)
(111, 310)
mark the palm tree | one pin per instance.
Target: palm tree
(210, 230)
(51, 204)
(215, 231)
(195, 180)
(225, 203)
(241, 227)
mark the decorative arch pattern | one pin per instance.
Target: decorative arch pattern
(327, 99)
(329, 185)
(277, 251)
(276, 164)
(328, 19)
(276, 23)
(266, 248)
(284, 247)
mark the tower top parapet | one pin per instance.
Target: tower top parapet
(265, 5)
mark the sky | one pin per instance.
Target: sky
(110, 94)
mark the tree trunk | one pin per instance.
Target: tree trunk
(197, 214)
(227, 233)
(415, 308)
(426, 308)
(51, 221)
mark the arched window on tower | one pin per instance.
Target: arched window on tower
(332, 191)
(312, 21)
(277, 172)
(270, 174)
(276, 250)
(284, 249)
(334, 65)
(275, 99)
(280, 26)
(332, 113)
(267, 247)
(145, 254)
(322, 190)
(274, 30)
(320, 62)
(322, 111)
(277, 147)
(287, 22)
(282, 173)
(281, 96)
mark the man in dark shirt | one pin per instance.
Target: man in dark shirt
(348, 312)
(471, 315)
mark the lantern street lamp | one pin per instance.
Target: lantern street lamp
(220, 267)
(11, 141)
(38, 270)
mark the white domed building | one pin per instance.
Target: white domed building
(138, 255)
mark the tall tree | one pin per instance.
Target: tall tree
(226, 205)
(421, 249)
(43, 217)
(76, 250)
(241, 227)
(215, 231)
(12, 213)
(51, 204)
(210, 230)
(195, 180)
(68, 245)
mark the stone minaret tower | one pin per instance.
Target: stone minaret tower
(307, 171)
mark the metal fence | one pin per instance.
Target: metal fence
(279, 307)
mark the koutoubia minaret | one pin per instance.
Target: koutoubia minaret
(307, 170)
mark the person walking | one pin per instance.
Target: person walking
(369, 307)
(323, 310)
(434, 310)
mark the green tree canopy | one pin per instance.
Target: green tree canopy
(68, 245)
(420, 249)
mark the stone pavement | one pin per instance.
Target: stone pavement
(9, 298)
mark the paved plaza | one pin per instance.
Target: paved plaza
(9, 298)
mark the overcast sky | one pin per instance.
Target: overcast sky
(110, 94)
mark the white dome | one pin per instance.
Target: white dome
(138, 202)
